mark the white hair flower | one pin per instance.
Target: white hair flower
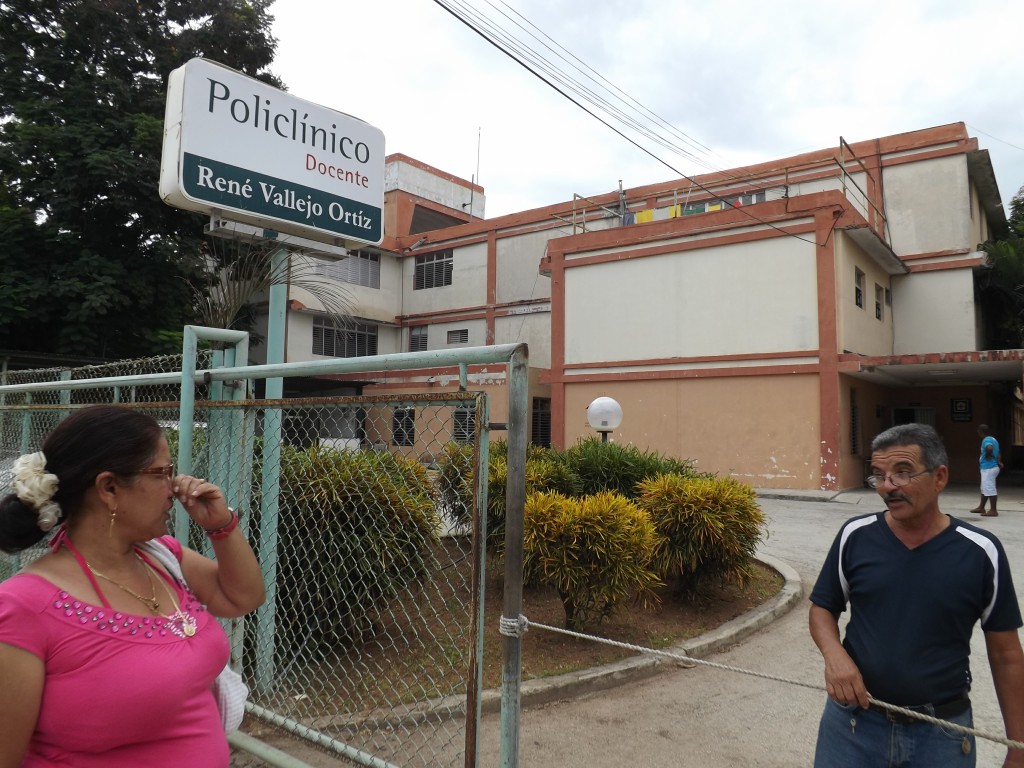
(35, 487)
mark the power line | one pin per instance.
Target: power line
(512, 47)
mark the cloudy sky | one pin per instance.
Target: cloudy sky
(738, 81)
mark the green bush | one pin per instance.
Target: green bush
(356, 531)
(544, 472)
(709, 526)
(455, 481)
(616, 467)
(595, 552)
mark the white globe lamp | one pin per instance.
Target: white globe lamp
(604, 415)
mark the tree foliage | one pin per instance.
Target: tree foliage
(1000, 287)
(93, 262)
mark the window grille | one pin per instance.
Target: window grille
(541, 421)
(403, 426)
(355, 340)
(858, 288)
(358, 268)
(433, 270)
(463, 429)
(854, 424)
(418, 338)
(460, 336)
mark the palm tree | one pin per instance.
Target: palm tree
(240, 271)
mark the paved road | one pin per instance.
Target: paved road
(708, 718)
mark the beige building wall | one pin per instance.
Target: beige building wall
(517, 276)
(534, 328)
(468, 288)
(437, 334)
(928, 206)
(928, 323)
(678, 304)
(979, 221)
(859, 328)
(402, 174)
(762, 430)
(382, 304)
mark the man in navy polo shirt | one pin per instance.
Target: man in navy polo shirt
(916, 581)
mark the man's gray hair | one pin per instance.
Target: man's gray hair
(933, 452)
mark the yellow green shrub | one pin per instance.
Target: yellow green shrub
(709, 526)
(594, 551)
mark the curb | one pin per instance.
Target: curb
(545, 690)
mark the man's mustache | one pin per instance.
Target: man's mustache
(895, 496)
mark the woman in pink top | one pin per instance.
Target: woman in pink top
(105, 660)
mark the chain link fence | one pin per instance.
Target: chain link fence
(362, 516)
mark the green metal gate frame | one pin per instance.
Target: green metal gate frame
(229, 371)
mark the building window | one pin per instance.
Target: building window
(348, 340)
(888, 297)
(403, 426)
(358, 268)
(854, 424)
(418, 338)
(879, 302)
(460, 336)
(541, 421)
(858, 288)
(464, 428)
(433, 270)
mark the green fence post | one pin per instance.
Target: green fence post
(266, 614)
(512, 605)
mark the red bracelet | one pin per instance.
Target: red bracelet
(224, 531)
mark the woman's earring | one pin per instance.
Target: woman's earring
(113, 516)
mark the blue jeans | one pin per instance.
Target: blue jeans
(851, 737)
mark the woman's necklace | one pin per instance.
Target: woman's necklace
(187, 623)
(150, 602)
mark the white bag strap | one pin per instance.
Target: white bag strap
(163, 555)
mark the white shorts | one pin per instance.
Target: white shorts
(988, 481)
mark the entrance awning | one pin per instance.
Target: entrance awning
(940, 369)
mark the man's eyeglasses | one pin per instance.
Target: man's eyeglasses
(167, 471)
(898, 479)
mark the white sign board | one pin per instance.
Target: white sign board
(241, 149)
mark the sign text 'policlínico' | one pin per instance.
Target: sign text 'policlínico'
(256, 154)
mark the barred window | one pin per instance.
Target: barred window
(433, 270)
(854, 424)
(541, 433)
(463, 429)
(350, 340)
(403, 426)
(418, 338)
(460, 336)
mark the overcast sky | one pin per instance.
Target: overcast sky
(745, 80)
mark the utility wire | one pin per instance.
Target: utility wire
(596, 99)
(509, 51)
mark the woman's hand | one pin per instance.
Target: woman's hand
(203, 501)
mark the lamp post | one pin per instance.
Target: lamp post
(604, 414)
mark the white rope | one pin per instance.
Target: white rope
(513, 627)
(524, 623)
